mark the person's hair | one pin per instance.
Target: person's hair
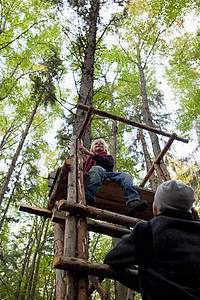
(99, 140)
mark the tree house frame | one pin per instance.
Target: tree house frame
(72, 218)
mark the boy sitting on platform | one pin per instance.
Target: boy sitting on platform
(100, 165)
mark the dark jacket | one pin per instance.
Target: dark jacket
(105, 162)
(167, 251)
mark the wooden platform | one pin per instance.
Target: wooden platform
(110, 197)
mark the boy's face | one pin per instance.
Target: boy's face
(98, 146)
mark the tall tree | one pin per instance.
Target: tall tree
(44, 90)
(141, 40)
(87, 77)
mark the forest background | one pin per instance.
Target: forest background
(136, 59)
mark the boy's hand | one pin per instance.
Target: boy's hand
(85, 151)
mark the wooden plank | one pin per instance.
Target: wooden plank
(91, 268)
(110, 197)
(130, 122)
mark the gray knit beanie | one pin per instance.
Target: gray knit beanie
(174, 194)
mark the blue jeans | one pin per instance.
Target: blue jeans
(97, 175)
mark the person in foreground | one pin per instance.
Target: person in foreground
(166, 249)
(100, 165)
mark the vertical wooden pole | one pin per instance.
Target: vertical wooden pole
(58, 249)
(70, 224)
(82, 243)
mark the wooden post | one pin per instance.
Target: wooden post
(58, 249)
(158, 159)
(82, 243)
(70, 224)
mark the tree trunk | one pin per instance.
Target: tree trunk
(120, 290)
(33, 264)
(10, 199)
(147, 113)
(8, 133)
(17, 153)
(41, 246)
(113, 144)
(148, 161)
(23, 266)
(87, 78)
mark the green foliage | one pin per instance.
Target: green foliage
(99, 245)
(17, 254)
(188, 172)
(33, 35)
(184, 77)
(31, 66)
(64, 134)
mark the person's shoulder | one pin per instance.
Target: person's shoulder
(143, 228)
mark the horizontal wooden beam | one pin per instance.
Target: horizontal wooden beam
(99, 214)
(59, 217)
(43, 212)
(95, 226)
(107, 229)
(91, 268)
(129, 122)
